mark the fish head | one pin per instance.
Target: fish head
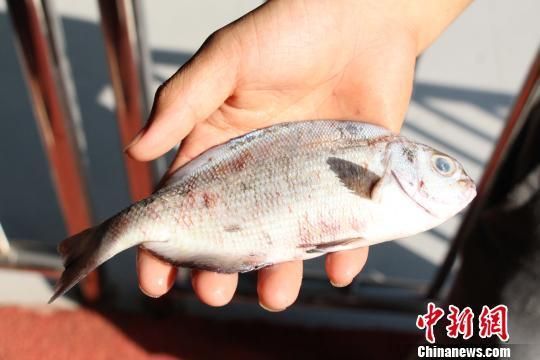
(435, 181)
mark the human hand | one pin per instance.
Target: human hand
(285, 61)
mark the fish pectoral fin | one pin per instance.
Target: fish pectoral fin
(358, 179)
(333, 246)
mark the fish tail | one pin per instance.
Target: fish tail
(81, 254)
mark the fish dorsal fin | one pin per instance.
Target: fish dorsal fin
(288, 136)
(192, 166)
(356, 178)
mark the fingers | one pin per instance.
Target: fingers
(343, 266)
(213, 288)
(278, 285)
(188, 97)
(155, 276)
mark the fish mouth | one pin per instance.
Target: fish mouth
(469, 188)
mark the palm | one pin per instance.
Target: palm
(293, 69)
(275, 65)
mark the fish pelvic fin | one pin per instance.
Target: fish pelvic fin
(333, 246)
(81, 254)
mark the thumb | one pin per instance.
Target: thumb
(190, 96)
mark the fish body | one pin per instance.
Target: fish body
(290, 191)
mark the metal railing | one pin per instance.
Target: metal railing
(39, 41)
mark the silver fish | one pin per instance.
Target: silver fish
(290, 191)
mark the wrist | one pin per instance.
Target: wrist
(427, 19)
(421, 20)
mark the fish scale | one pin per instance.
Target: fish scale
(287, 192)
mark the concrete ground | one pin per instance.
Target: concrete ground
(465, 85)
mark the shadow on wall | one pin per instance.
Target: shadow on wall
(491, 102)
(28, 207)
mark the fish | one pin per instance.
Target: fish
(291, 191)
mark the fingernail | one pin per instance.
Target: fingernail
(270, 309)
(338, 285)
(135, 139)
(148, 294)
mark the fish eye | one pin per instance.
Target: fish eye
(443, 165)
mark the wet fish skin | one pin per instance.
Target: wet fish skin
(289, 191)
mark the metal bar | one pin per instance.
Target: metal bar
(527, 96)
(333, 298)
(374, 280)
(4, 243)
(32, 256)
(118, 24)
(41, 70)
(160, 165)
(144, 56)
(44, 65)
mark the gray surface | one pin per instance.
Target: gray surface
(466, 83)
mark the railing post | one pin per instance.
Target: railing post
(124, 58)
(41, 65)
(38, 40)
